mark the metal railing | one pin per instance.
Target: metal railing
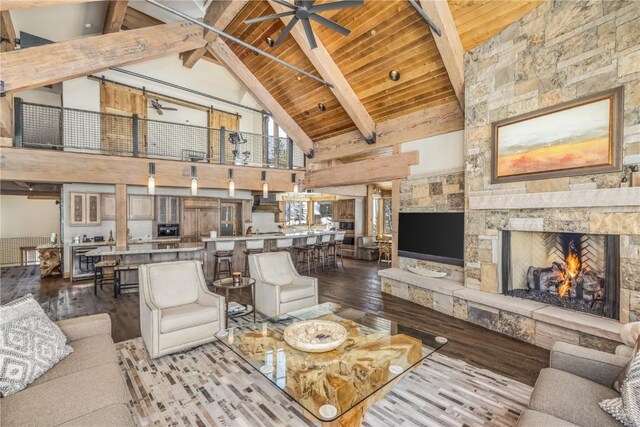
(69, 129)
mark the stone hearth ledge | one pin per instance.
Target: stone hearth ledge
(604, 197)
(540, 312)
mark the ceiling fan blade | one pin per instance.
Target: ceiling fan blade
(310, 37)
(159, 110)
(286, 31)
(285, 4)
(308, 3)
(344, 4)
(268, 17)
(330, 24)
(169, 108)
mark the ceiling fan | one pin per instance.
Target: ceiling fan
(303, 11)
(158, 107)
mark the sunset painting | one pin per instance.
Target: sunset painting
(576, 137)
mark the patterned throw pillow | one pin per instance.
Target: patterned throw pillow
(30, 344)
(626, 408)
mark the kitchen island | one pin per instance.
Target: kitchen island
(299, 238)
(149, 253)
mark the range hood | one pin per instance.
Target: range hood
(268, 205)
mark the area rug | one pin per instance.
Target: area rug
(211, 386)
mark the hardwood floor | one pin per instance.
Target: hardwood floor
(357, 286)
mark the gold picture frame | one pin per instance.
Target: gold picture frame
(579, 137)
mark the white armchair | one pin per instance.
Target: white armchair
(279, 287)
(177, 311)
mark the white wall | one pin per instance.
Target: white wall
(441, 153)
(43, 95)
(205, 77)
(22, 217)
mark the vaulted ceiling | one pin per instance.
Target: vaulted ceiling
(385, 36)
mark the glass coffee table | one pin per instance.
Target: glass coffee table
(338, 386)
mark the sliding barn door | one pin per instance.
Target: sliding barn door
(230, 122)
(117, 131)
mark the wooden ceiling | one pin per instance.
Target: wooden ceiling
(385, 35)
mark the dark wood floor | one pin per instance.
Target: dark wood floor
(357, 286)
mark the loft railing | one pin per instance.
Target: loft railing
(69, 129)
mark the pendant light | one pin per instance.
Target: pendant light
(265, 186)
(232, 186)
(151, 182)
(194, 181)
(295, 184)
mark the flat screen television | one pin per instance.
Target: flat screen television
(432, 236)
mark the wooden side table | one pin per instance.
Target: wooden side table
(227, 284)
(24, 254)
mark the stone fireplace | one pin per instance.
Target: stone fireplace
(576, 271)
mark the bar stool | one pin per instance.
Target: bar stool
(335, 248)
(253, 247)
(99, 276)
(223, 258)
(118, 284)
(308, 253)
(283, 245)
(322, 249)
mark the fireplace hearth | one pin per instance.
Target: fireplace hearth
(569, 270)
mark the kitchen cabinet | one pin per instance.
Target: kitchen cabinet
(168, 209)
(84, 209)
(346, 209)
(199, 217)
(140, 207)
(108, 205)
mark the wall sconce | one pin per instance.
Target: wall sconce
(194, 181)
(151, 182)
(296, 189)
(265, 186)
(232, 185)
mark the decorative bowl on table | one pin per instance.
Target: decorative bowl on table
(315, 336)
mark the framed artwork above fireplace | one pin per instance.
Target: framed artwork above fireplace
(579, 137)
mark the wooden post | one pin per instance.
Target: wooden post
(395, 216)
(8, 34)
(121, 216)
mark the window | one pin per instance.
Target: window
(277, 143)
(382, 216)
(295, 213)
(323, 214)
(374, 221)
(387, 216)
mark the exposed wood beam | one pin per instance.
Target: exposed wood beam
(19, 164)
(234, 65)
(219, 14)
(134, 19)
(25, 4)
(363, 172)
(449, 44)
(8, 44)
(421, 124)
(113, 19)
(44, 65)
(328, 70)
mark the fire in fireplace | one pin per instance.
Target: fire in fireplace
(570, 270)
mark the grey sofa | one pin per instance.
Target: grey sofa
(84, 389)
(567, 393)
